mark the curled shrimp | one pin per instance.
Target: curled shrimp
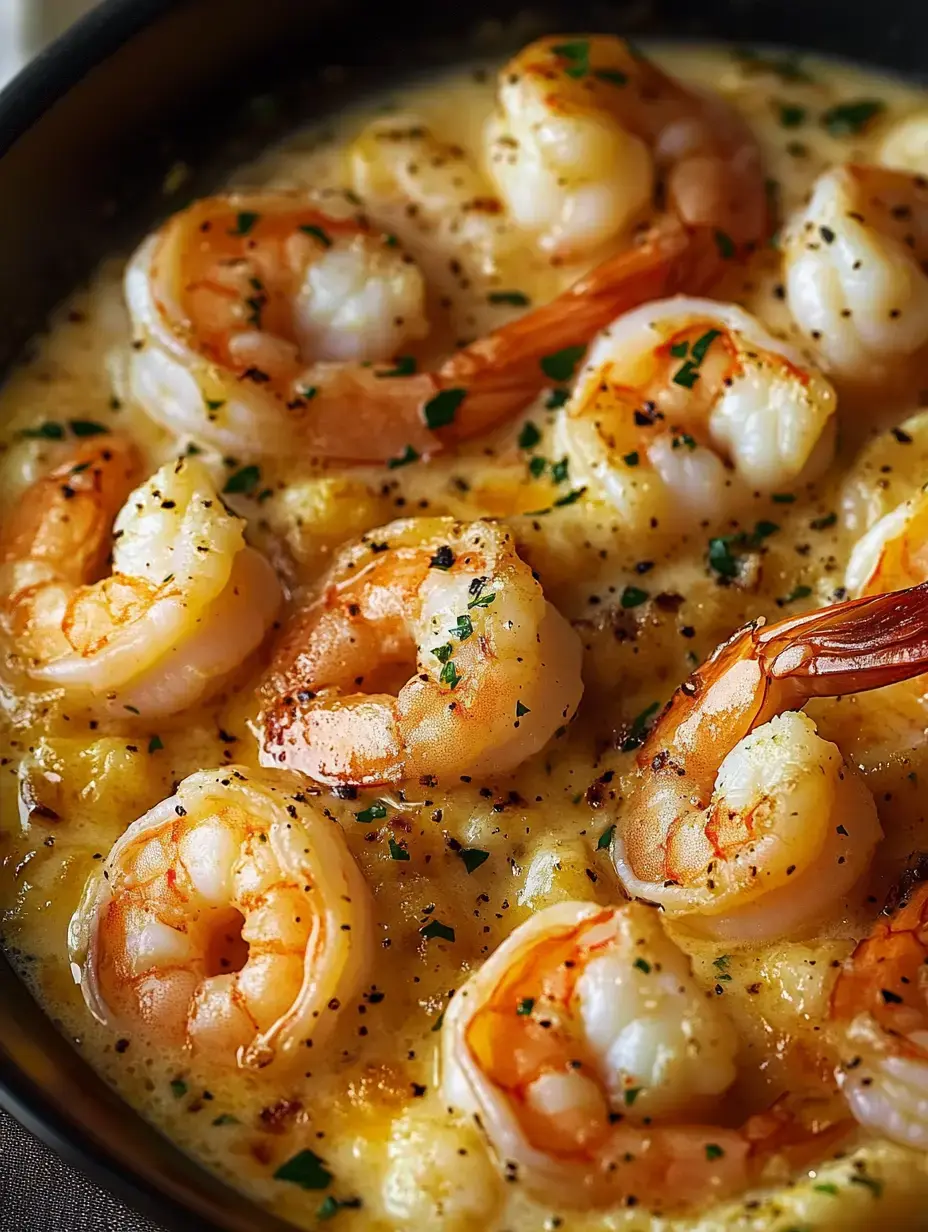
(490, 668)
(686, 407)
(905, 144)
(743, 821)
(588, 1055)
(230, 920)
(879, 1007)
(257, 318)
(185, 602)
(893, 553)
(586, 128)
(854, 257)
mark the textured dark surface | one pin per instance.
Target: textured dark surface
(40, 1193)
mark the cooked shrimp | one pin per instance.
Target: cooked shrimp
(856, 280)
(230, 920)
(686, 407)
(187, 600)
(905, 144)
(586, 128)
(257, 318)
(893, 553)
(880, 1003)
(588, 1055)
(491, 669)
(743, 821)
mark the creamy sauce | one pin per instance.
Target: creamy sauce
(369, 1105)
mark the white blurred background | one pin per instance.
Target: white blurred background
(27, 25)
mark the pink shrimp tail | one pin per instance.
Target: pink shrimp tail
(851, 647)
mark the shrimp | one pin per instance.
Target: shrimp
(893, 553)
(879, 1008)
(588, 1055)
(743, 821)
(186, 601)
(259, 321)
(586, 127)
(905, 144)
(855, 268)
(686, 407)
(230, 920)
(491, 668)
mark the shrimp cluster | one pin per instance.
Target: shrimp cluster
(186, 600)
(594, 1062)
(489, 669)
(855, 266)
(744, 822)
(686, 407)
(231, 919)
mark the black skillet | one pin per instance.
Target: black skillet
(87, 135)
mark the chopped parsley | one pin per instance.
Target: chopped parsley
(244, 481)
(86, 427)
(472, 858)
(798, 592)
(481, 598)
(244, 222)
(688, 373)
(562, 364)
(642, 964)
(374, 812)
(525, 1007)
(309, 392)
(556, 399)
(630, 1095)
(683, 439)
(725, 244)
(463, 628)
(639, 727)
(631, 459)
(403, 365)
(875, 1186)
(318, 233)
(722, 554)
(849, 119)
(713, 1151)
(559, 470)
(577, 55)
(827, 1187)
(633, 596)
(305, 1169)
(605, 839)
(330, 1206)
(521, 710)
(49, 431)
(154, 744)
(449, 675)
(824, 522)
(529, 436)
(440, 411)
(443, 653)
(783, 498)
(443, 558)
(226, 1118)
(397, 852)
(215, 404)
(613, 76)
(791, 115)
(408, 455)
(178, 1088)
(518, 299)
(435, 928)
(537, 467)
(570, 498)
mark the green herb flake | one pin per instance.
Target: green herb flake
(443, 653)
(440, 411)
(570, 498)
(87, 427)
(397, 852)
(463, 628)
(823, 523)
(374, 812)
(309, 392)
(305, 1169)
(630, 1095)
(525, 1007)
(155, 743)
(49, 431)
(408, 455)
(244, 481)
(827, 1187)
(244, 222)
(642, 964)
(178, 1088)
(226, 1118)
(559, 470)
(435, 928)
(330, 1207)
(132, 709)
(633, 596)
(562, 364)
(783, 498)
(605, 839)
(318, 233)
(725, 244)
(679, 350)
(639, 727)
(472, 858)
(762, 530)
(537, 467)
(683, 440)
(439, 1021)
(631, 459)
(529, 436)
(483, 600)
(612, 76)
(713, 1151)
(869, 1182)
(578, 56)
(702, 344)
(556, 399)
(449, 675)
(518, 299)
(521, 710)
(403, 365)
(791, 115)
(798, 592)
(849, 119)
(215, 404)
(687, 375)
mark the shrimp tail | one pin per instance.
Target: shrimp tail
(851, 647)
(502, 372)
